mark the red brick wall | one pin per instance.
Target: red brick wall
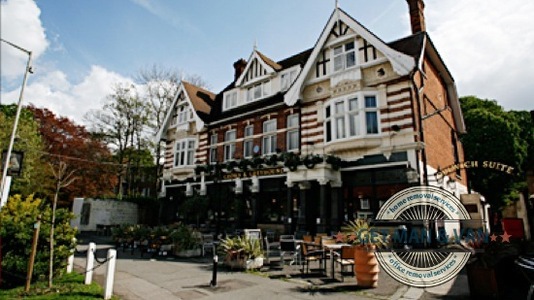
(438, 127)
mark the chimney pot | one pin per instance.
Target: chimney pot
(239, 67)
(417, 17)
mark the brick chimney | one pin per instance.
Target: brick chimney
(239, 67)
(417, 17)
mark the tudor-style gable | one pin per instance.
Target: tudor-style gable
(260, 78)
(183, 121)
(342, 53)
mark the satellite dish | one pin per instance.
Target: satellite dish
(256, 149)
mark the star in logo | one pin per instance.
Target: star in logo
(493, 237)
(340, 237)
(505, 237)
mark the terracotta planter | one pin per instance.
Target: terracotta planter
(482, 282)
(366, 266)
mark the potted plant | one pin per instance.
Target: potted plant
(366, 240)
(242, 252)
(487, 268)
(186, 241)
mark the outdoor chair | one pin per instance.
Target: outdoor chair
(289, 247)
(526, 264)
(307, 238)
(310, 254)
(345, 259)
(271, 249)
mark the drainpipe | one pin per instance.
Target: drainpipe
(418, 92)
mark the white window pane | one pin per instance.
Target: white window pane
(370, 101)
(292, 121)
(339, 109)
(338, 63)
(371, 120)
(266, 88)
(292, 140)
(249, 131)
(353, 104)
(340, 128)
(353, 125)
(350, 59)
(257, 92)
(338, 50)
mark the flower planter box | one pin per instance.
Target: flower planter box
(245, 264)
(188, 253)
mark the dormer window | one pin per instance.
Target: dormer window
(259, 91)
(344, 56)
(230, 100)
(286, 79)
(182, 114)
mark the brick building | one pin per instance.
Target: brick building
(326, 135)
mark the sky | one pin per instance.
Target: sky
(80, 48)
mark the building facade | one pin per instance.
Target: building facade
(321, 137)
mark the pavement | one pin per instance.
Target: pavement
(168, 277)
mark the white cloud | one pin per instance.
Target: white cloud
(487, 45)
(20, 25)
(56, 93)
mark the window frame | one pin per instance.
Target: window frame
(344, 55)
(268, 141)
(213, 148)
(184, 156)
(343, 121)
(292, 129)
(230, 137)
(262, 89)
(230, 100)
(248, 141)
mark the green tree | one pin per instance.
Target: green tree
(28, 141)
(494, 135)
(17, 219)
(122, 123)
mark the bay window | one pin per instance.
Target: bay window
(184, 152)
(351, 117)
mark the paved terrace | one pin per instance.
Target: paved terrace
(168, 277)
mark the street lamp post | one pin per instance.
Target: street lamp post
(3, 187)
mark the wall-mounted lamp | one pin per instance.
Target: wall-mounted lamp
(411, 175)
(188, 190)
(451, 183)
(238, 186)
(203, 189)
(255, 188)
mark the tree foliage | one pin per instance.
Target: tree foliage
(71, 144)
(494, 134)
(17, 219)
(30, 143)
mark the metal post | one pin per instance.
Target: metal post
(89, 263)
(32, 255)
(110, 273)
(17, 116)
(213, 282)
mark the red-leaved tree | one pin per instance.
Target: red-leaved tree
(71, 144)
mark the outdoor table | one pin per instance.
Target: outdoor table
(332, 248)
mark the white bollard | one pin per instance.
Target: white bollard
(70, 263)
(110, 273)
(90, 263)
